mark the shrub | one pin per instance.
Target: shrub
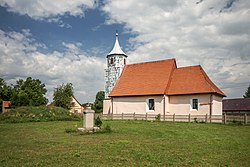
(70, 130)
(98, 122)
(38, 114)
(158, 117)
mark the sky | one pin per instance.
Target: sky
(64, 41)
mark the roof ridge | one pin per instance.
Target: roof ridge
(205, 77)
(156, 61)
(76, 100)
(189, 66)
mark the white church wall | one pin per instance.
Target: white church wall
(181, 105)
(137, 104)
(217, 105)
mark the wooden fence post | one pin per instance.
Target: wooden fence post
(206, 118)
(189, 118)
(225, 118)
(134, 115)
(245, 118)
(174, 118)
(122, 116)
(146, 116)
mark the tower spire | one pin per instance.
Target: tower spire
(116, 49)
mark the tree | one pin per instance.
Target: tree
(29, 92)
(247, 93)
(98, 104)
(63, 96)
(5, 92)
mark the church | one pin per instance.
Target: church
(158, 87)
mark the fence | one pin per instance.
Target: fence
(225, 118)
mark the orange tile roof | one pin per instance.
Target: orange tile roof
(6, 104)
(163, 77)
(191, 80)
(149, 78)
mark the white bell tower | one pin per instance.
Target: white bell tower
(116, 60)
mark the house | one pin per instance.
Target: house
(234, 106)
(5, 106)
(159, 87)
(76, 107)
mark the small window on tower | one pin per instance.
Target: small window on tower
(112, 60)
(124, 61)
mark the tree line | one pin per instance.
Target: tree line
(31, 92)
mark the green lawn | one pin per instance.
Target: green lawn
(131, 143)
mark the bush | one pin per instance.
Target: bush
(158, 117)
(38, 114)
(98, 122)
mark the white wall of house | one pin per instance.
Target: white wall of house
(137, 104)
(179, 105)
(217, 105)
(182, 104)
(106, 106)
(76, 107)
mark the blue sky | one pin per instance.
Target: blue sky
(67, 41)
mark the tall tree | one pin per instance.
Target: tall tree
(29, 92)
(98, 104)
(247, 93)
(5, 92)
(63, 96)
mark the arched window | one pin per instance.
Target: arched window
(111, 60)
(124, 61)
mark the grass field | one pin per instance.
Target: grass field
(131, 143)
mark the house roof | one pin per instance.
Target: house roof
(191, 80)
(149, 78)
(163, 77)
(241, 104)
(6, 104)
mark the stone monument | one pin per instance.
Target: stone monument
(88, 121)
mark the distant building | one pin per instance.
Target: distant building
(158, 87)
(5, 106)
(239, 105)
(76, 106)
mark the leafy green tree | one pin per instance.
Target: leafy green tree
(98, 104)
(247, 93)
(29, 92)
(63, 96)
(5, 92)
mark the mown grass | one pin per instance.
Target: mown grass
(131, 143)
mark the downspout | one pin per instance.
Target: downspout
(112, 106)
(210, 107)
(164, 109)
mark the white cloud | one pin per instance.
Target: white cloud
(20, 58)
(215, 34)
(49, 10)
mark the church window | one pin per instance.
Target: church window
(151, 104)
(124, 61)
(194, 104)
